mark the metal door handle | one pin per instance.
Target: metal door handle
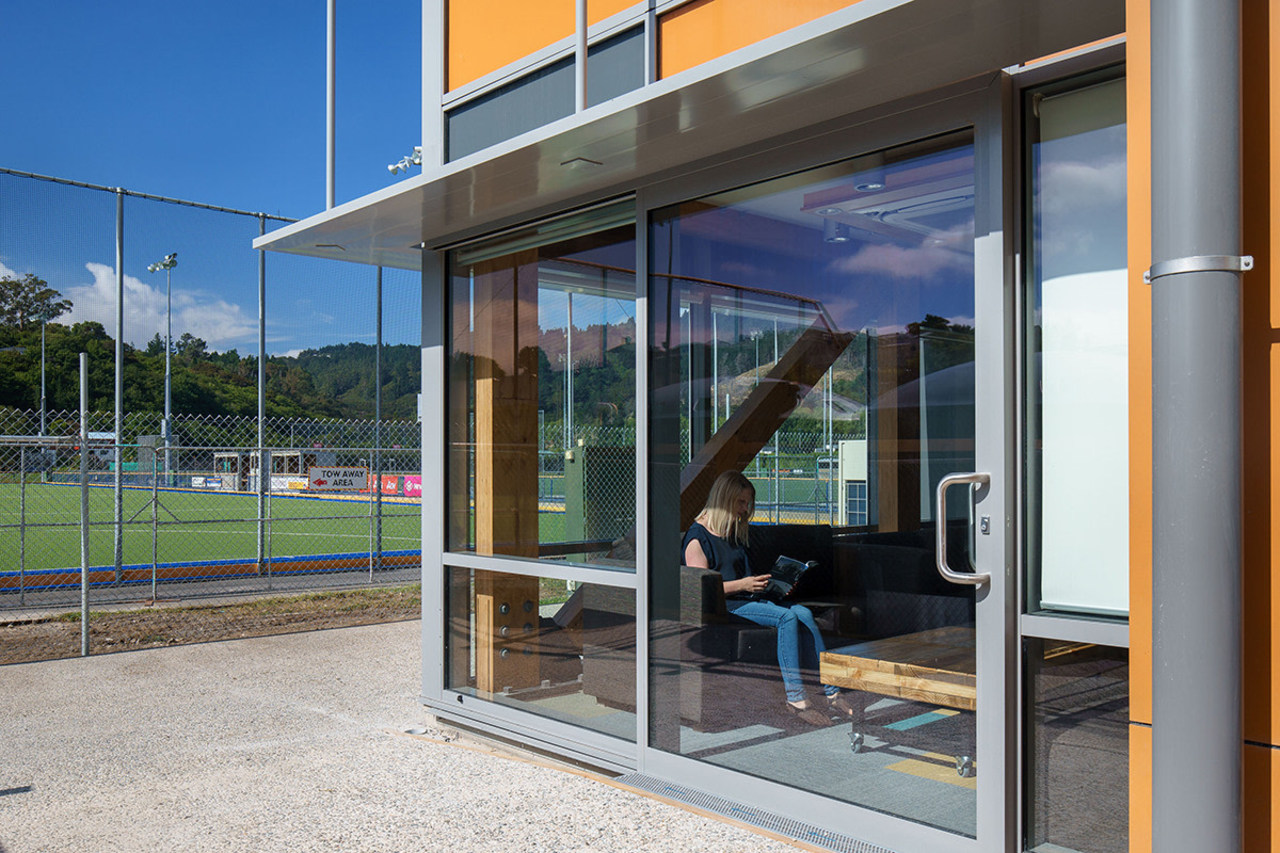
(969, 578)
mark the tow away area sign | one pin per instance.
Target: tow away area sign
(338, 479)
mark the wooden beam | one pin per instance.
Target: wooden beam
(505, 377)
(753, 424)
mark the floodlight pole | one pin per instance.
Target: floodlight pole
(170, 261)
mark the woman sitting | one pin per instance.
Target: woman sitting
(717, 540)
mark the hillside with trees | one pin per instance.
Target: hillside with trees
(334, 381)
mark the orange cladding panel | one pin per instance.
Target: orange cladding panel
(1260, 829)
(1261, 372)
(598, 10)
(1139, 787)
(706, 29)
(1138, 99)
(485, 35)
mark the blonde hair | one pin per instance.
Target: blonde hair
(717, 514)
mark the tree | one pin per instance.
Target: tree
(29, 299)
(189, 347)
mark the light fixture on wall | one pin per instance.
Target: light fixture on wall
(836, 232)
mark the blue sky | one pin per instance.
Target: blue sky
(221, 103)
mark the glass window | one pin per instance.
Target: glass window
(537, 98)
(550, 647)
(1077, 363)
(815, 334)
(615, 66)
(541, 397)
(1079, 748)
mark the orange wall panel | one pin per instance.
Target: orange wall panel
(598, 10)
(1138, 98)
(485, 35)
(1261, 373)
(1261, 830)
(1139, 788)
(706, 29)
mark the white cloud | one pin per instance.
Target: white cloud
(945, 252)
(5, 272)
(221, 324)
(1070, 187)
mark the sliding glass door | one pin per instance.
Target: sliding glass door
(824, 334)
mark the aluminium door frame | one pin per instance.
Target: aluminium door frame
(985, 107)
(1089, 62)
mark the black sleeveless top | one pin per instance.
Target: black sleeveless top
(728, 558)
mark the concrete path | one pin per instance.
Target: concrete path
(293, 743)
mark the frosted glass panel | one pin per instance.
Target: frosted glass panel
(1078, 368)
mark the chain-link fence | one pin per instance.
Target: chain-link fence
(158, 545)
(188, 525)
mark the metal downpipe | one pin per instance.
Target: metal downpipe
(1196, 418)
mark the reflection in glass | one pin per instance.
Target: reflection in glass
(541, 397)
(816, 332)
(1079, 748)
(549, 647)
(1078, 359)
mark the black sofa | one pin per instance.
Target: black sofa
(867, 585)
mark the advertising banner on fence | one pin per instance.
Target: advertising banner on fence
(390, 483)
(337, 479)
(413, 486)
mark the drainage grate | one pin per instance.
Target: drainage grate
(747, 814)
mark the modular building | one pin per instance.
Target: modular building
(994, 253)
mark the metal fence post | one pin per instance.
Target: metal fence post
(155, 522)
(377, 433)
(119, 425)
(84, 504)
(262, 395)
(264, 499)
(22, 525)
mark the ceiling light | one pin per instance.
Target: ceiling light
(829, 211)
(836, 232)
(331, 246)
(872, 177)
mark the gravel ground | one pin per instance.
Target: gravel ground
(293, 743)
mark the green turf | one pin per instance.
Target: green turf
(200, 526)
(194, 526)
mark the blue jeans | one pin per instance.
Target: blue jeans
(799, 640)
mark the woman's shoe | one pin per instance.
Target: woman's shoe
(841, 706)
(809, 715)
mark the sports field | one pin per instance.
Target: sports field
(206, 527)
(190, 526)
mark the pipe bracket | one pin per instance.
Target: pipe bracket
(1199, 263)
